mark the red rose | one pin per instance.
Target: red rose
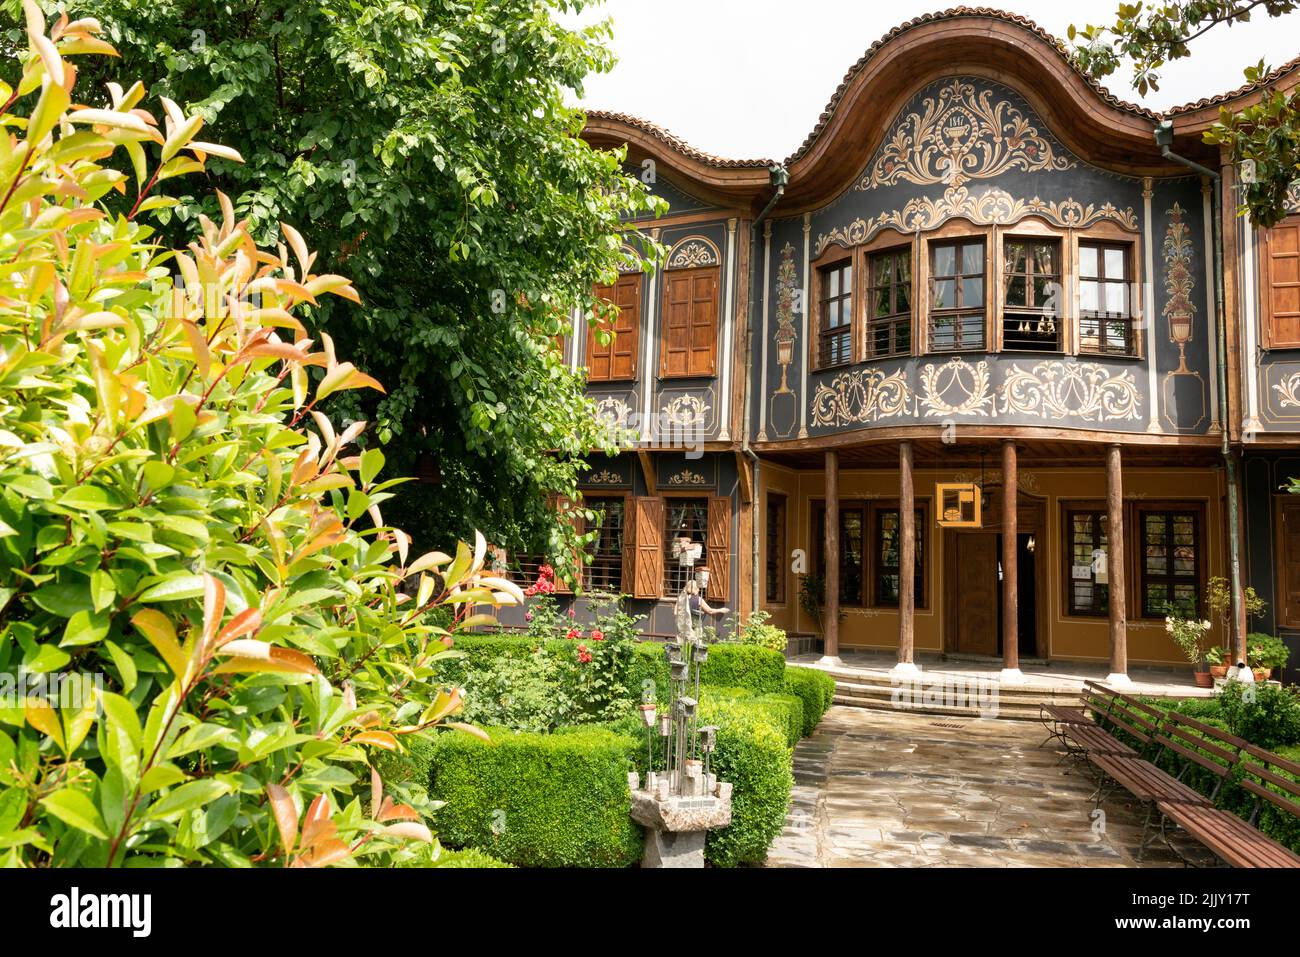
(574, 633)
(597, 635)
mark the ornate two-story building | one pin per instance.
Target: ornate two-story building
(982, 294)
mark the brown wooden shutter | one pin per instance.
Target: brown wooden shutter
(617, 359)
(1281, 281)
(675, 360)
(704, 321)
(719, 547)
(648, 565)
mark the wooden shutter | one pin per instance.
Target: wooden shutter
(719, 546)
(617, 359)
(648, 563)
(1280, 279)
(690, 322)
(1289, 572)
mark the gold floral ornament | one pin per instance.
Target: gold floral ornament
(1071, 390)
(861, 395)
(961, 135)
(1179, 282)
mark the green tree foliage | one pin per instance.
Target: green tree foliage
(424, 146)
(1267, 133)
(203, 642)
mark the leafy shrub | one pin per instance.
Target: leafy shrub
(1271, 720)
(172, 525)
(538, 800)
(520, 693)
(761, 670)
(1266, 651)
(468, 857)
(648, 672)
(815, 688)
(753, 754)
(758, 632)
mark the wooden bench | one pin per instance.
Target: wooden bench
(1214, 751)
(1056, 718)
(1261, 778)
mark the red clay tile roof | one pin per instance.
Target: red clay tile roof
(673, 141)
(677, 143)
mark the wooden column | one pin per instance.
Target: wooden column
(1115, 568)
(831, 610)
(906, 556)
(1010, 559)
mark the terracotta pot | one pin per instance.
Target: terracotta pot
(1262, 674)
(1204, 679)
(1219, 671)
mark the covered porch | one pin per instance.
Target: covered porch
(1077, 547)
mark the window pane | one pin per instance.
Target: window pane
(903, 296)
(1045, 293)
(1116, 296)
(945, 293)
(1045, 258)
(1089, 296)
(882, 268)
(851, 557)
(847, 279)
(945, 260)
(903, 336)
(882, 301)
(1088, 261)
(972, 292)
(1016, 291)
(1114, 263)
(903, 267)
(972, 258)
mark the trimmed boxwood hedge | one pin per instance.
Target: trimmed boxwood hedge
(815, 688)
(758, 670)
(785, 710)
(538, 800)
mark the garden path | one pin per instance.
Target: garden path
(879, 789)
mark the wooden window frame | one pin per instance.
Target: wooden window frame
(1059, 314)
(1137, 540)
(869, 508)
(1133, 320)
(718, 296)
(921, 598)
(861, 506)
(895, 319)
(634, 335)
(772, 554)
(588, 496)
(959, 232)
(1069, 509)
(833, 255)
(1263, 240)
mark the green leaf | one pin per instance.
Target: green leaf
(186, 797)
(176, 588)
(372, 460)
(29, 485)
(160, 776)
(76, 810)
(85, 628)
(63, 600)
(89, 498)
(102, 589)
(125, 666)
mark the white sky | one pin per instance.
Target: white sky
(748, 78)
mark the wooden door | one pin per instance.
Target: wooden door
(1289, 567)
(973, 593)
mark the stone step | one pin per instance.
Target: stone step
(1018, 712)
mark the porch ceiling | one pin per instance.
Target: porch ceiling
(968, 452)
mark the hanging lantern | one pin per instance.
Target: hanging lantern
(959, 504)
(702, 575)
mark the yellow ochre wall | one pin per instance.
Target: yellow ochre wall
(1067, 637)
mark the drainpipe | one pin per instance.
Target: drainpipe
(779, 176)
(1164, 134)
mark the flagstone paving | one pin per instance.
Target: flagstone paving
(877, 789)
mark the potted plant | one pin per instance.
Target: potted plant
(1218, 658)
(1189, 635)
(1218, 599)
(1264, 653)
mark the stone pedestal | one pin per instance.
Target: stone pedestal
(676, 824)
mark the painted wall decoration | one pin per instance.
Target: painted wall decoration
(604, 477)
(959, 134)
(692, 252)
(787, 292)
(955, 387)
(1063, 389)
(994, 206)
(613, 410)
(1179, 282)
(688, 478)
(686, 411)
(861, 395)
(1288, 391)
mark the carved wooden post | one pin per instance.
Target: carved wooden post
(1010, 564)
(831, 543)
(1115, 568)
(906, 556)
